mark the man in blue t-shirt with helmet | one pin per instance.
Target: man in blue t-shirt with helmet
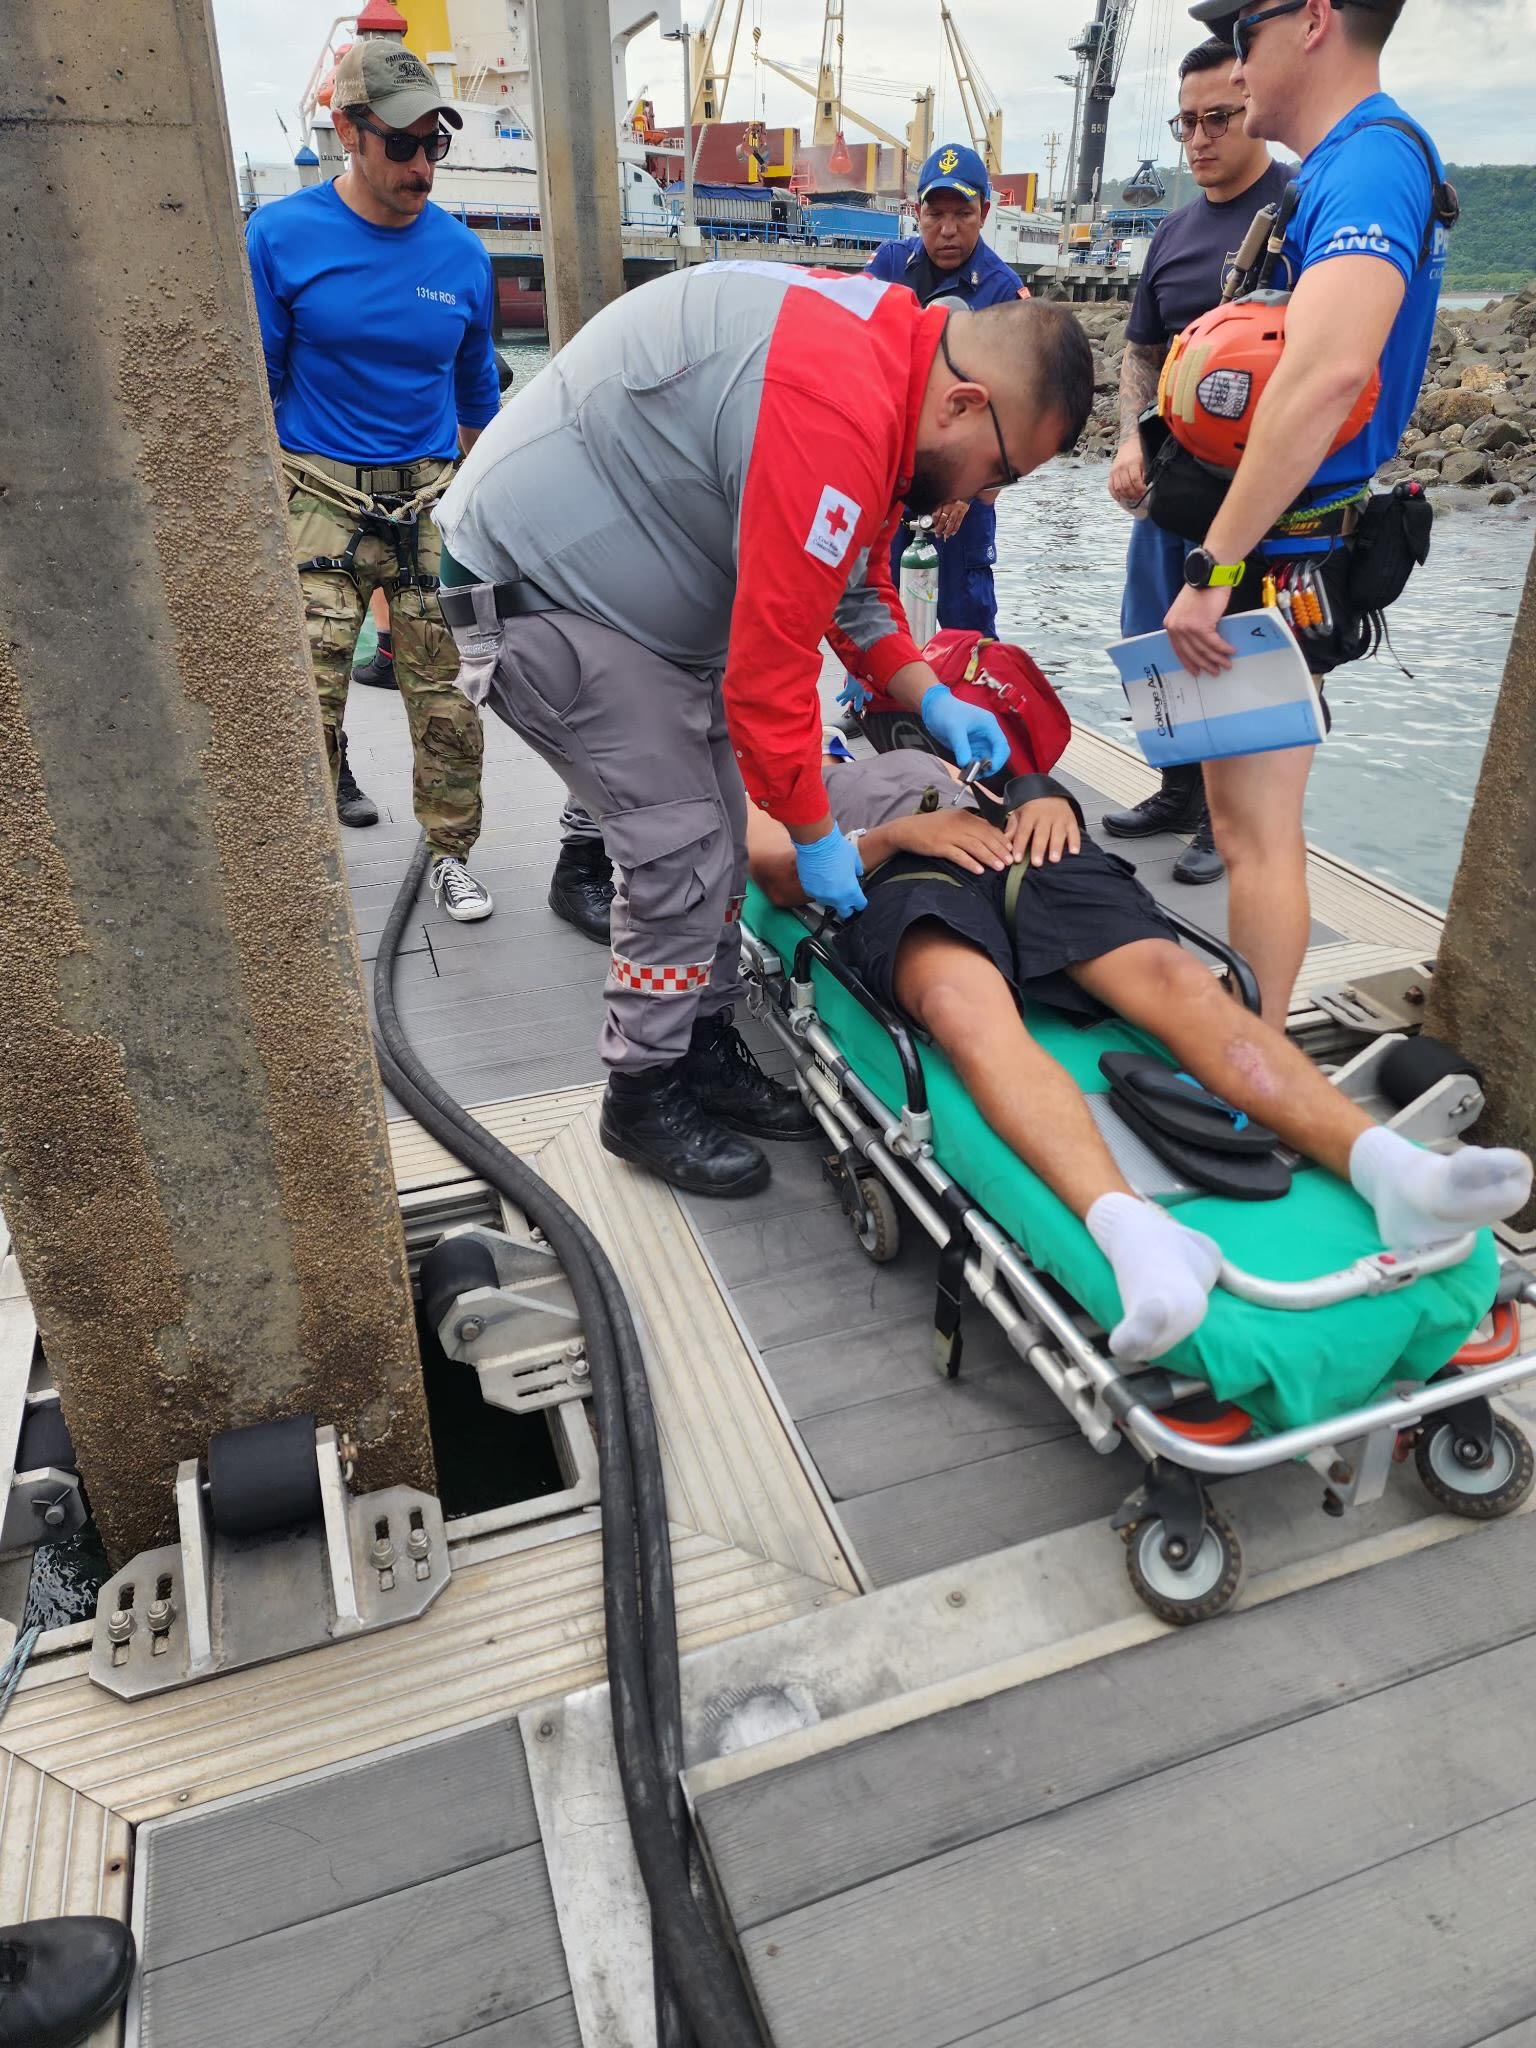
(1363, 258)
(948, 261)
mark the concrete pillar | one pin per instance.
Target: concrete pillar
(192, 1146)
(578, 162)
(1483, 996)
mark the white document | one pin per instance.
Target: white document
(1265, 701)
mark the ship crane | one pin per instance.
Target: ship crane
(983, 114)
(1100, 52)
(711, 80)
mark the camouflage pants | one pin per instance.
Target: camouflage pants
(447, 742)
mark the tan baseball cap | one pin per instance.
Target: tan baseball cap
(392, 81)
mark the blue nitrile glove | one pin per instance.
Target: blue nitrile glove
(829, 871)
(967, 730)
(854, 695)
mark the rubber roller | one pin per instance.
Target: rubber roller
(264, 1477)
(454, 1266)
(1418, 1064)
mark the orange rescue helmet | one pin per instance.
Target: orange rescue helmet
(1215, 374)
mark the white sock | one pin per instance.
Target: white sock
(1423, 1198)
(1164, 1271)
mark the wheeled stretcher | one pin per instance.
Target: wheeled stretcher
(1317, 1344)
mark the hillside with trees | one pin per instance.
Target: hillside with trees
(1494, 246)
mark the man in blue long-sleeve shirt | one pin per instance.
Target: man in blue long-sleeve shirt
(376, 309)
(949, 263)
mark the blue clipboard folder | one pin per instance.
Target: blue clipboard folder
(1266, 700)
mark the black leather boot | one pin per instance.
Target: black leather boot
(1177, 807)
(1200, 862)
(378, 672)
(59, 1979)
(654, 1120)
(732, 1088)
(581, 888)
(353, 807)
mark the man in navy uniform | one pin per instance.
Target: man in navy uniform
(949, 262)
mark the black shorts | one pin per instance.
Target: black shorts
(1084, 905)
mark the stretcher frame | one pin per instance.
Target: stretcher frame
(1109, 1400)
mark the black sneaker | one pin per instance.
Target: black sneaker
(378, 673)
(1200, 862)
(59, 1979)
(352, 806)
(654, 1120)
(581, 888)
(732, 1089)
(1177, 807)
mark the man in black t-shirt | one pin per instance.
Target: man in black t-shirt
(1182, 278)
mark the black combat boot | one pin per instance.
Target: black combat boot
(378, 672)
(1200, 862)
(654, 1119)
(731, 1088)
(1177, 807)
(352, 806)
(59, 1979)
(581, 888)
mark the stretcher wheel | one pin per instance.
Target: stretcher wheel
(1481, 1493)
(264, 1477)
(880, 1237)
(1206, 1586)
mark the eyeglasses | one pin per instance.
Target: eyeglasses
(1214, 121)
(1010, 474)
(400, 145)
(1242, 30)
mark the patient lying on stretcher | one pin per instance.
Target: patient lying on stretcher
(946, 941)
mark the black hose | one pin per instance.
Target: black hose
(638, 1601)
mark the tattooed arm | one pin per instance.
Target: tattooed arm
(1139, 367)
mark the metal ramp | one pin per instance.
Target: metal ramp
(1317, 1826)
(401, 1902)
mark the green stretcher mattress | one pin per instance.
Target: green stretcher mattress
(1287, 1368)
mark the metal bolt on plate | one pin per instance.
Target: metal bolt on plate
(470, 1329)
(120, 1625)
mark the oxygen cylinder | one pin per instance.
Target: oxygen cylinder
(920, 582)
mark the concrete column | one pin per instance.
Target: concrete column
(1483, 996)
(578, 162)
(192, 1145)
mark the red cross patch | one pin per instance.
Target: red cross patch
(832, 529)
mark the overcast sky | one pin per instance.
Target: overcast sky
(1467, 68)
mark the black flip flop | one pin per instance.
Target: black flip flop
(1241, 1176)
(1178, 1105)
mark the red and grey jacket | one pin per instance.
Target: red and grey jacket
(714, 467)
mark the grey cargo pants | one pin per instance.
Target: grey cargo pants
(642, 746)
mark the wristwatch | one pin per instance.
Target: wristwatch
(1202, 571)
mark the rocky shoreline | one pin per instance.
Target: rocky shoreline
(1475, 426)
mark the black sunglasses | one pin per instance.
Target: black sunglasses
(400, 146)
(1182, 126)
(1010, 474)
(1241, 28)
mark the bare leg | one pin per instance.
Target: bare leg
(1164, 1271)
(1256, 816)
(1240, 1057)
(1034, 1105)
(1419, 1197)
